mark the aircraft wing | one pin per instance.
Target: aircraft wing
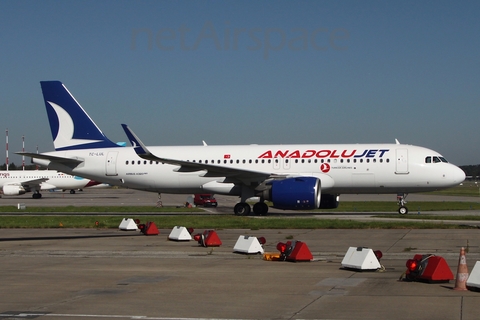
(66, 161)
(232, 174)
(30, 184)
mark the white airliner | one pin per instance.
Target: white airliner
(293, 177)
(18, 182)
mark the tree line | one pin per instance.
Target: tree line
(471, 170)
(13, 166)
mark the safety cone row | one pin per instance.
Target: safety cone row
(462, 272)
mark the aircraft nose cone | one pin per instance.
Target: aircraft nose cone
(458, 175)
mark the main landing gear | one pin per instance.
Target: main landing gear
(36, 195)
(244, 209)
(402, 209)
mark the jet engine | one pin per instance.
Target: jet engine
(299, 193)
(294, 193)
(329, 201)
(13, 190)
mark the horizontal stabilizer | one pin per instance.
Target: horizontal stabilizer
(67, 161)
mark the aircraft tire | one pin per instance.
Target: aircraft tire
(260, 208)
(72, 191)
(403, 210)
(242, 209)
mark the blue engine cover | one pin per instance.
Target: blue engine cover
(296, 193)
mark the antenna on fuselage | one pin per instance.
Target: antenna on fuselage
(397, 142)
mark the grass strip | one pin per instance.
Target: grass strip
(99, 209)
(346, 206)
(417, 206)
(214, 222)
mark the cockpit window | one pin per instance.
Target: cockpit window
(435, 159)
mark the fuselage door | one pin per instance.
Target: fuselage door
(401, 161)
(111, 164)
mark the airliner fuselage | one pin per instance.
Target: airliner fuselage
(356, 168)
(293, 177)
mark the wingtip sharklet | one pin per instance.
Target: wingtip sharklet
(137, 144)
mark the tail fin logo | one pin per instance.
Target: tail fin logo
(66, 128)
(71, 127)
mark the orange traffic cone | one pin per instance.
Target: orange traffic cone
(462, 272)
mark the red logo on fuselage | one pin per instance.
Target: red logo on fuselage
(325, 167)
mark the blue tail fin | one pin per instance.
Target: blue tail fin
(71, 126)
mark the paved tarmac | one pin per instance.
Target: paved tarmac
(112, 274)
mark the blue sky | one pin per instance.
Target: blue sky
(243, 72)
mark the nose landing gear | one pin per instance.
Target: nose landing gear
(402, 209)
